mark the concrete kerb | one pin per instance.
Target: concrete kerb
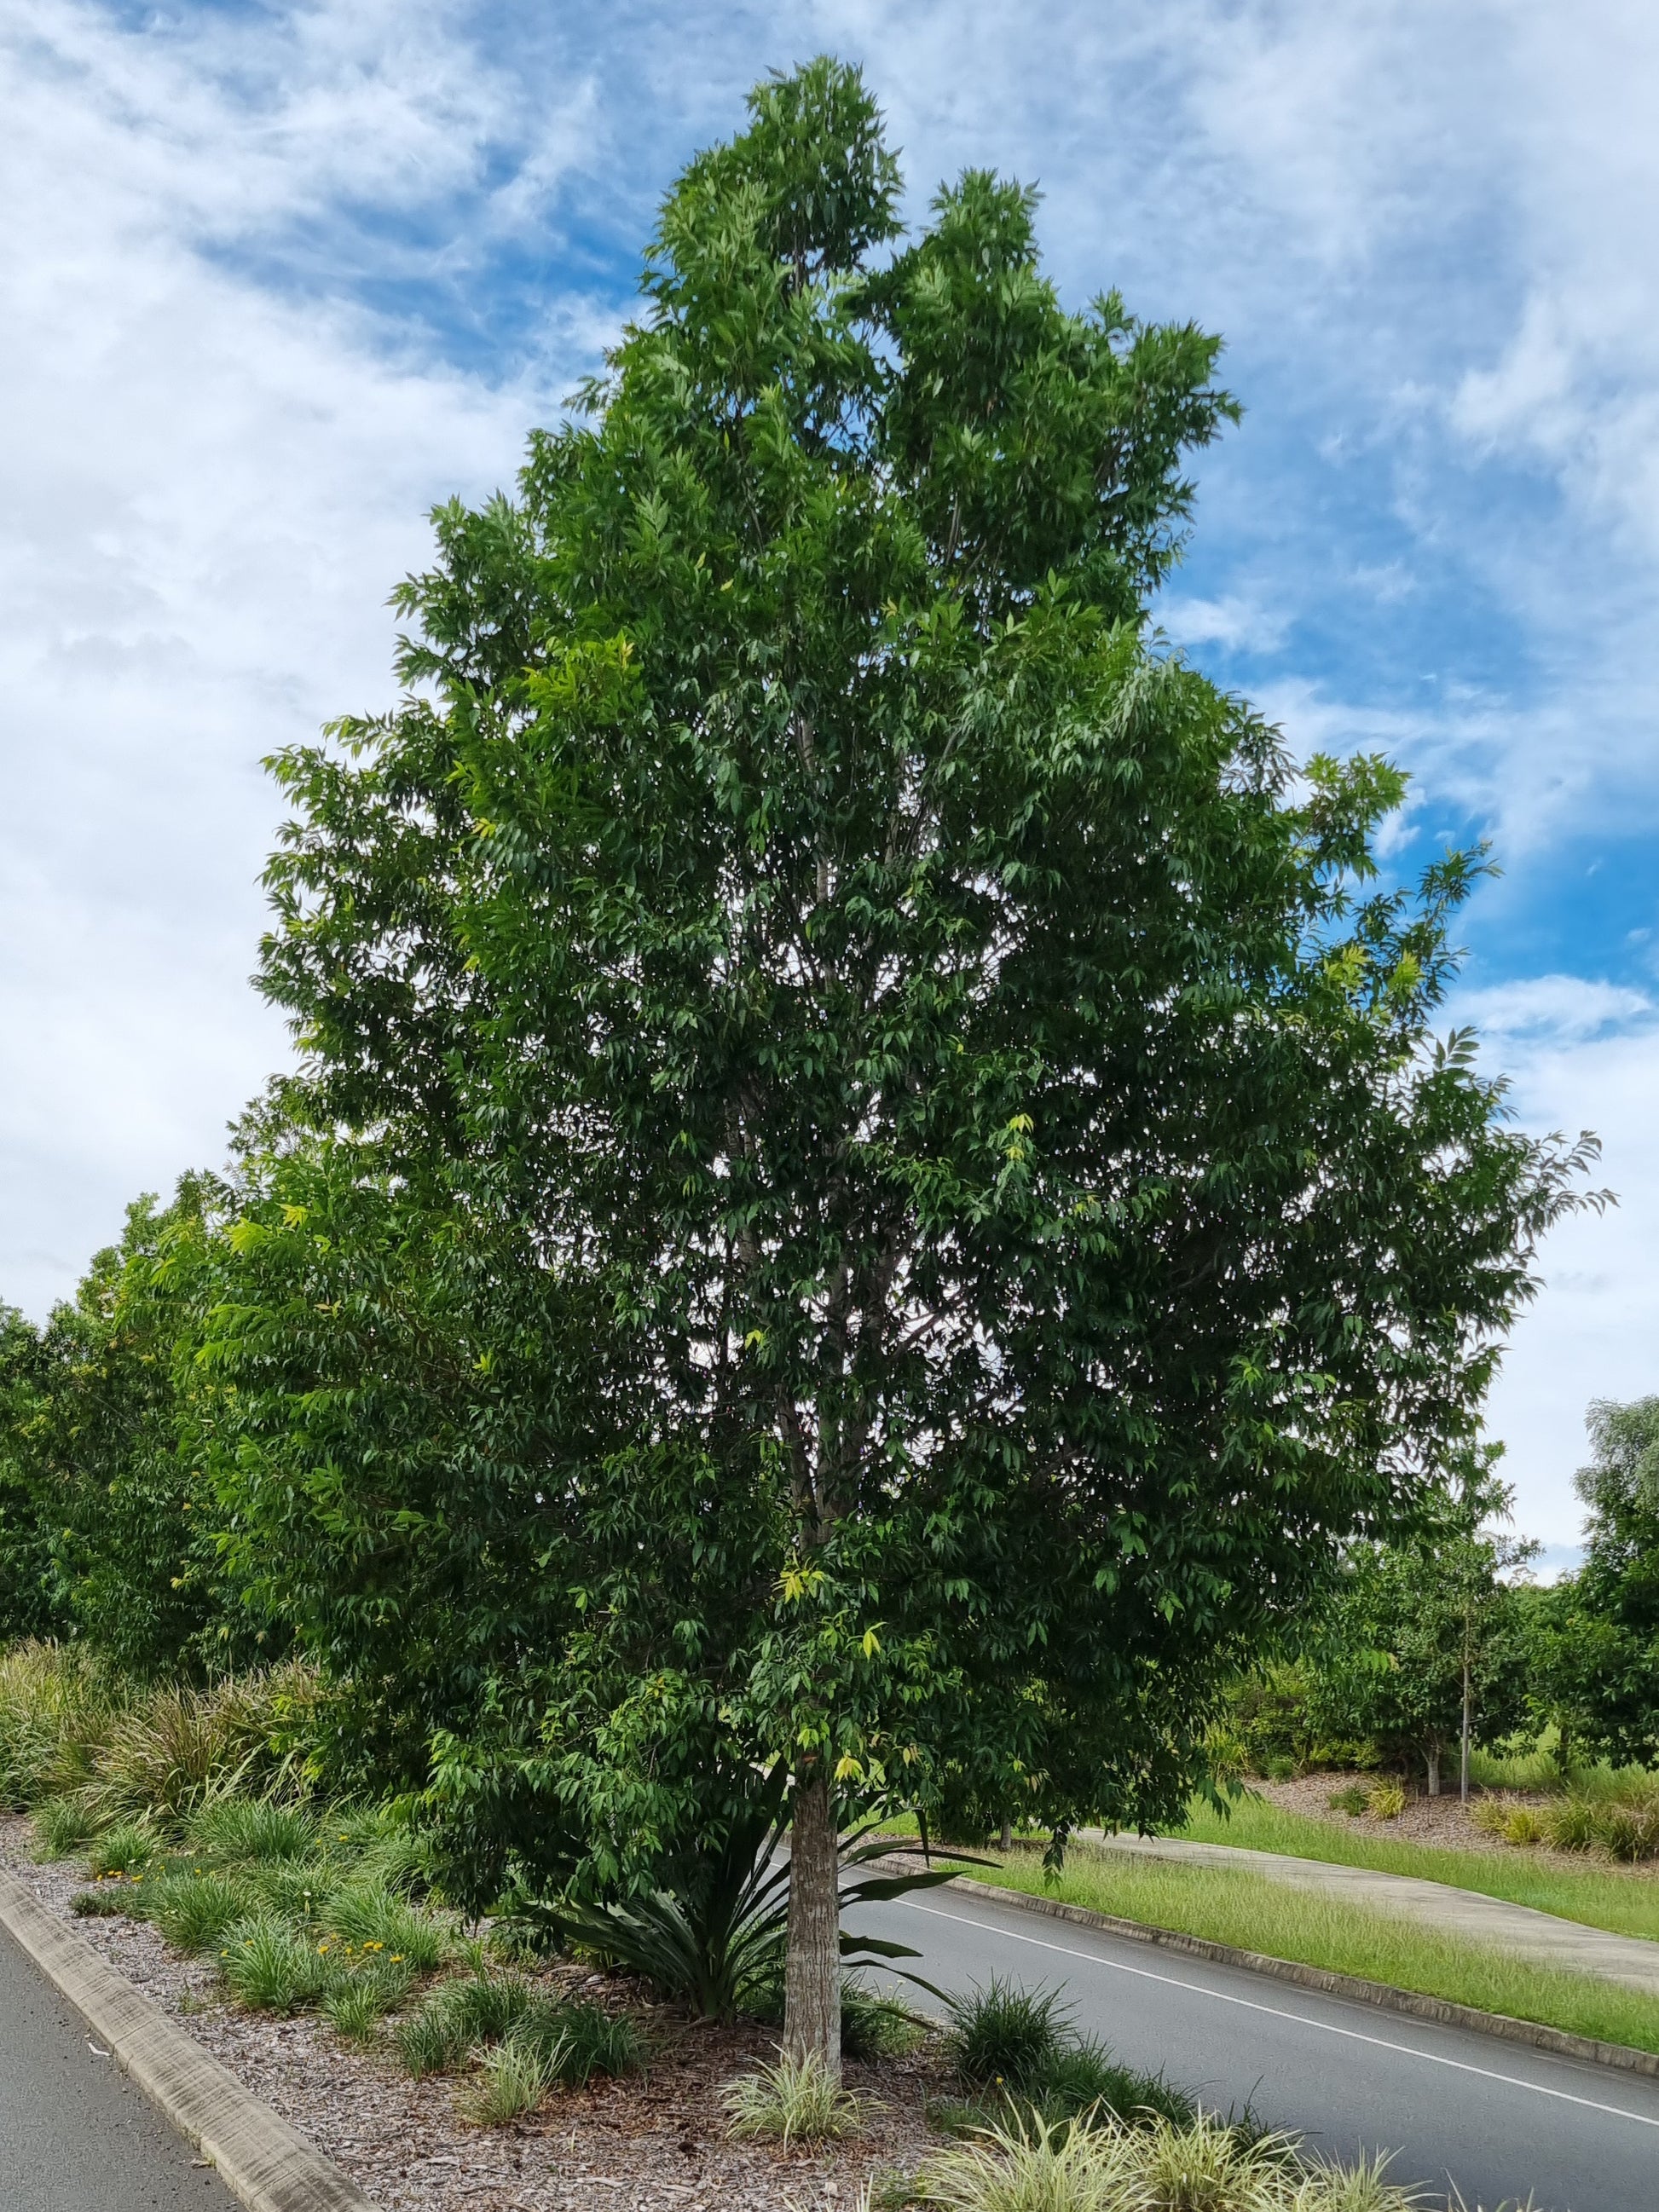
(1382, 1995)
(262, 2161)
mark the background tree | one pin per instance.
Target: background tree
(1426, 1644)
(102, 1531)
(1599, 1631)
(974, 1085)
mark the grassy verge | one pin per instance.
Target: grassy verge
(1599, 1897)
(1240, 1908)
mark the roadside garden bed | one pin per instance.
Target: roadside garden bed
(653, 2140)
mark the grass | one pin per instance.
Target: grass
(1016, 2049)
(1200, 2165)
(1235, 1906)
(1597, 1896)
(796, 2100)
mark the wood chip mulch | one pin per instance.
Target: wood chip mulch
(650, 2143)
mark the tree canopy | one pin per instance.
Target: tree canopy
(870, 1183)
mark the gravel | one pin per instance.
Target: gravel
(653, 2141)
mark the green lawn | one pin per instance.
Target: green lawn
(1601, 1896)
(1236, 1906)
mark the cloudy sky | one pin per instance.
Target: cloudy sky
(276, 278)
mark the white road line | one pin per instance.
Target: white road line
(1277, 2011)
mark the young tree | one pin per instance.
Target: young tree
(797, 911)
(1425, 1644)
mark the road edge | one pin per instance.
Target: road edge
(264, 2163)
(1383, 1995)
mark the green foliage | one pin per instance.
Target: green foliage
(715, 1933)
(793, 1001)
(511, 2081)
(873, 2026)
(1386, 1662)
(795, 2101)
(54, 1713)
(97, 1904)
(1190, 2163)
(267, 1967)
(235, 1830)
(196, 1911)
(364, 1914)
(577, 2039)
(63, 1826)
(1003, 2036)
(1597, 1631)
(127, 1847)
(96, 1502)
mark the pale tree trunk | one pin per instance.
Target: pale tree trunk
(1006, 1842)
(1434, 1769)
(812, 1979)
(1463, 1767)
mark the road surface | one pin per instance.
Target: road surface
(1499, 2121)
(75, 2135)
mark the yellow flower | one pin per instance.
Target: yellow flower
(397, 1958)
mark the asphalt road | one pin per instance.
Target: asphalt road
(1495, 2120)
(75, 2135)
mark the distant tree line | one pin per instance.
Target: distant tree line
(1444, 1623)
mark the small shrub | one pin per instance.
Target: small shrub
(426, 2043)
(1084, 2078)
(578, 2039)
(1522, 1826)
(873, 2027)
(63, 1826)
(1385, 1801)
(1629, 1828)
(243, 1829)
(511, 2083)
(794, 2101)
(97, 1904)
(1003, 2035)
(300, 1892)
(1572, 1823)
(1353, 1800)
(355, 2002)
(196, 1911)
(127, 1848)
(361, 1913)
(1278, 1768)
(54, 1710)
(269, 1968)
(1491, 1814)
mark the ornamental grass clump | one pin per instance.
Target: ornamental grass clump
(578, 2039)
(55, 1708)
(61, 1825)
(511, 2081)
(127, 1848)
(1003, 2036)
(364, 1914)
(269, 1968)
(796, 2101)
(1015, 2050)
(196, 1911)
(232, 1829)
(1102, 2166)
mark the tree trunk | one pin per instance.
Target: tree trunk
(1434, 1769)
(1006, 1843)
(1463, 1768)
(812, 1979)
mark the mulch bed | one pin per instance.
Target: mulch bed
(652, 2142)
(1443, 1821)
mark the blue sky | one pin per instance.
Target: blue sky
(279, 277)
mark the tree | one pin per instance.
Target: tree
(1600, 1633)
(102, 1534)
(968, 1097)
(31, 1602)
(1425, 1644)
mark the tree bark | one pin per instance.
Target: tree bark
(1434, 1771)
(811, 1980)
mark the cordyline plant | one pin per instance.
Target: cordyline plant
(977, 1215)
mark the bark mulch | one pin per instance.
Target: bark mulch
(652, 2142)
(1443, 1821)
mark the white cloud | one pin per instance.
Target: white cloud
(1594, 1332)
(209, 490)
